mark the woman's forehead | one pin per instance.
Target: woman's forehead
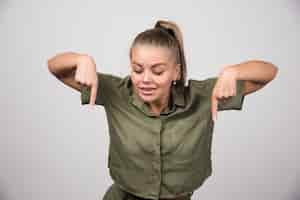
(150, 54)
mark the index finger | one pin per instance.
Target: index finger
(93, 94)
(214, 107)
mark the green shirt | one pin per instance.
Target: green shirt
(159, 156)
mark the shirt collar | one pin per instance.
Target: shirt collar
(177, 94)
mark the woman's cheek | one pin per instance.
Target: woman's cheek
(135, 79)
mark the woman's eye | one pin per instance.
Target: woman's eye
(158, 73)
(137, 71)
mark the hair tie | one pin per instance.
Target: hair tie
(168, 30)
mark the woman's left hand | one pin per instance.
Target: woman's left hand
(224, 88)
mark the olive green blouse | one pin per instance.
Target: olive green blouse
(159, 156)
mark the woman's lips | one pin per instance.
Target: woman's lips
(147, 91)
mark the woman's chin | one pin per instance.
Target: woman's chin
(147, 97)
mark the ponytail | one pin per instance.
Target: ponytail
(173, 29)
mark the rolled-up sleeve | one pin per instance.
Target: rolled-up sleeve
(232, 103)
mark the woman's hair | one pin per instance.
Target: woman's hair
(165, 34)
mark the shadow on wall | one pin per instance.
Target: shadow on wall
(4, 4)
(3, 192)
(293, 6)
(2, 196)
(295, 191)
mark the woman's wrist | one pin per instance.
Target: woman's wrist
(83, 58)
(231, 70)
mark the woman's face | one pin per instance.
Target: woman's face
(152, 71)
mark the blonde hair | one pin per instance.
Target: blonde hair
(165, 34)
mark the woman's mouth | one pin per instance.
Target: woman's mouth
(147, 91)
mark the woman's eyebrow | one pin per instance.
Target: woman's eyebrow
(154, 65)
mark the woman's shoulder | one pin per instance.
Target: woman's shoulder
(203, 86)
(113, 80)
(109, 77)
(110, 90)
(202, 81)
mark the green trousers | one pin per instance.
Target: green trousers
(115, 193)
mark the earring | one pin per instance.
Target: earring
(174, 82)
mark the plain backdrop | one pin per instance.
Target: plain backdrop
(52, 147)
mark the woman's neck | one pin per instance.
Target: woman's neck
(158, 107)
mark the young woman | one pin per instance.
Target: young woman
(160, 127)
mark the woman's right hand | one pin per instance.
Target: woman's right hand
(86, 75)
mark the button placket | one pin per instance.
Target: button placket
(156, 163)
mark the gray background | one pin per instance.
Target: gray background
(51, 147)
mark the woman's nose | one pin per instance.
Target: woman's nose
(146, 77)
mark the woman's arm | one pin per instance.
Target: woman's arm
(75, 70)
(256, 73)
(63, 67)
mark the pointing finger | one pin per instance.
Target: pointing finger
(93, 95)
(214, 108)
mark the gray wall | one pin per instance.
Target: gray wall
(51, 147)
